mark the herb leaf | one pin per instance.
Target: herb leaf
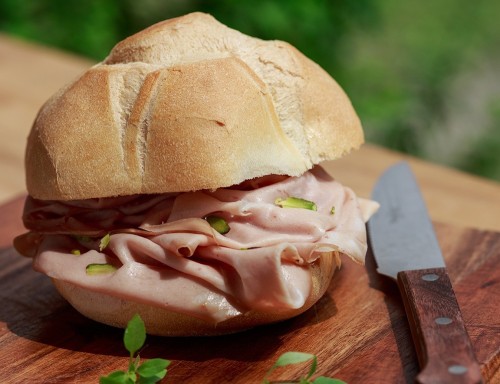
(118, 377)
(289, 358)
(151, 380)
(293, 358)
(314, 365)
(327, 380)
(153, 367)
(135, 335)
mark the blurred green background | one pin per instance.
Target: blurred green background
(423, 75)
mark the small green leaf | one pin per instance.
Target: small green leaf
(104, 242)
(135, 335)
(132, 376)
(152, 379)
(332, 211)
(76, 252)
(295, 202)
(153, 367)
(314, 365)
(327, 380)
(289, 358)
(117, 377)
(98, 269)
(218, 223)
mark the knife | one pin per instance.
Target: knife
(406, 249)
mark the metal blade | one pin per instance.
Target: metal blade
(401, 234)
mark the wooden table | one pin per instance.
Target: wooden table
(29, 74)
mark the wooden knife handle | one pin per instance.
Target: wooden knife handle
(443, 346)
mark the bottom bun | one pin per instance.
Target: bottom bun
(160, 321)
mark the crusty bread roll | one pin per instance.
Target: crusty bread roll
(244, 106)
(117, 312)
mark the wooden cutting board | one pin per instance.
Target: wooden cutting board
(358, 329)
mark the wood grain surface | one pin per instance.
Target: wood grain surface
(358, 329)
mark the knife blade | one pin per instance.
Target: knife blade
(405, 248)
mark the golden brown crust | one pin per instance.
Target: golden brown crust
(159, 321)
(187, 104)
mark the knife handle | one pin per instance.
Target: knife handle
(443, 346)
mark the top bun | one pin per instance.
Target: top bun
(187, 104)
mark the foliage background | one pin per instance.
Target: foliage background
(423, 75)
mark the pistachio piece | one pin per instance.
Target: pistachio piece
(98, 269)
(104, 242)
(295, 202)
(218, 223)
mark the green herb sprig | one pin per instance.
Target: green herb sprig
(289, 358)
(149, 372)
(154, 370)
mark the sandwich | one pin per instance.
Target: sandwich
(180, 179)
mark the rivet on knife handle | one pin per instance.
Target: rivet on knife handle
(443, 346)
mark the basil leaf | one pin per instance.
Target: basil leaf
(118, 377)
(327, 380)
(153, 367)
(135, 334)
(288, 358)
(152, 379)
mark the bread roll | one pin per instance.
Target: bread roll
(184, 105)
